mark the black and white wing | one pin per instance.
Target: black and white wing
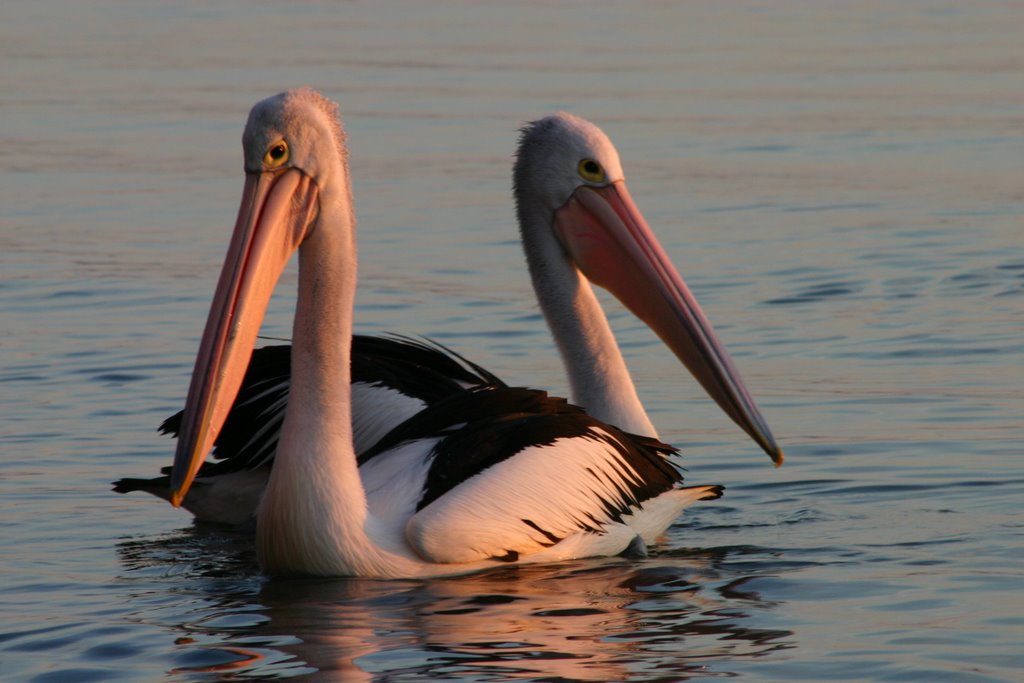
(540, 471)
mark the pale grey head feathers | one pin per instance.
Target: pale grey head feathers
(547, 168)
(305, 120)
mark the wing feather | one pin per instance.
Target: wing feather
(537, 468)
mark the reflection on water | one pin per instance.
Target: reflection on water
(675, 615)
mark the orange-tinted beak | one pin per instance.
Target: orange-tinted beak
(276, 211)
(611, 243)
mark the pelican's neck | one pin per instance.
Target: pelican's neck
(313, 518)
(598, 377)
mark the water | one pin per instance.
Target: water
(840, 184)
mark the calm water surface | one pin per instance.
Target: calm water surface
(840, 183)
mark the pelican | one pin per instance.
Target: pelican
(480, 478)
(579, 224)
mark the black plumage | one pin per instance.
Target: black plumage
(418, 368)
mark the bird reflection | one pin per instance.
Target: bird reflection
(671, 616)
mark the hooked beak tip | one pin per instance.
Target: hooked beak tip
(177, 496)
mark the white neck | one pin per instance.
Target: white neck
(598, 377)
(313, 518)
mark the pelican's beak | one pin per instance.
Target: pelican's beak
(611, 243)
(277, 209)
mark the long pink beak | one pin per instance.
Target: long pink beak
(276, 211)
(611, 243)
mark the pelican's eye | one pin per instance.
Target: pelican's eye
(591, 171)
(277, 155)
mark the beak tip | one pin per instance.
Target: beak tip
(777, 456)
(178, 488)
(176, 498)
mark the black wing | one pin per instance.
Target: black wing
(421, 369)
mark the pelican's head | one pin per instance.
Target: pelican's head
(298, 129)
(568, 182)
(295, 172)
(559, 154)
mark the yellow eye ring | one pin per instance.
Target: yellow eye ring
(277, 155)
(591, 171)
